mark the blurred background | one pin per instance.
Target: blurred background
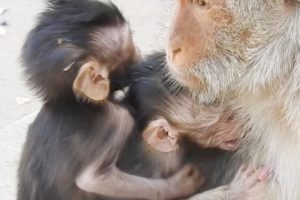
(149, 20)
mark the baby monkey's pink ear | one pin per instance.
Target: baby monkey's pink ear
(92, 81)
(161, 136)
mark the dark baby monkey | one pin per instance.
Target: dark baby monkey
(75, 58)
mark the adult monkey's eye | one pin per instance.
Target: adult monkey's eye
(295, 3)
(199, 2)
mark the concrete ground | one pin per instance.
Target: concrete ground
(18, 105)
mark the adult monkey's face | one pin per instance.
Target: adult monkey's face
(219, 45)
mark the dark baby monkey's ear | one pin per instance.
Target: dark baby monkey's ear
(92, 81)
(160, 135)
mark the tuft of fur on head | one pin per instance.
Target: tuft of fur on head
(84, 11)
(60, 43)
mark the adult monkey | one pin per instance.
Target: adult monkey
(247, 53)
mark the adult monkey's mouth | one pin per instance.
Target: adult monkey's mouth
(184, 77)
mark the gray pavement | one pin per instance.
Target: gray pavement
(18, 105)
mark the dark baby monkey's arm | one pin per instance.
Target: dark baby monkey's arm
(104, 178)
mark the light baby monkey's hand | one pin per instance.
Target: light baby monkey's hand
(250, 183)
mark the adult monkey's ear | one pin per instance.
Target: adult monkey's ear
(92, 81)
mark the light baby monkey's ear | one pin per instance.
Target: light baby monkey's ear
(161, 136)
(92, 81)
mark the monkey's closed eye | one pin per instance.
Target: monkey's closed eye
(295, 3)
(199, 2)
